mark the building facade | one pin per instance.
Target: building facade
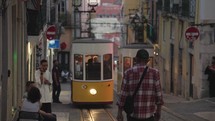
(182, 61)
(13, 39)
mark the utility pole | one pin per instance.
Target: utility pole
(4, 75)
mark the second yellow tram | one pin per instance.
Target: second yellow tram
(127, 55)
(92, 69)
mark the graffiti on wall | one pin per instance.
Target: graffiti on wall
(38, 56)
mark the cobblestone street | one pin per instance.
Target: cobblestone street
(67, 112)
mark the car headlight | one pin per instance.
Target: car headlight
(93, 91)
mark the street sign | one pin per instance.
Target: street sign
(55, 44)
(192, 33)
(51, 32)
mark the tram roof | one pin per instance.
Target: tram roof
(137, 46)
(92, 40)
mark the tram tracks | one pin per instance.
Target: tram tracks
(101, 114)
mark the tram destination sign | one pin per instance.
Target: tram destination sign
(192, 33)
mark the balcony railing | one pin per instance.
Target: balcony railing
(188, 8)
(175, 9)
(159, 5)
(65, 19)
(184, 8)
(167, 5)
(33, 22)
(185, 11)
(53, 15)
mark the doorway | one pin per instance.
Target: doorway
(191, 75)
(63, 59)
(171, 68)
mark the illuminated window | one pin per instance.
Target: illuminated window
(78, 66)
(107, 66)
(93, 67)
(126, 63)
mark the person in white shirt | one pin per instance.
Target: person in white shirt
(44, 83)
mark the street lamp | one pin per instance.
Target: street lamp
(77, 15)
(76, 5)
(138, 24)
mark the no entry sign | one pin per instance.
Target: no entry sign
(51, 32)
(192, 33)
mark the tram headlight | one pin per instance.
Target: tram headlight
(93, 91)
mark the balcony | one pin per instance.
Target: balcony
(175, 9)
(185, 11)
(184, 8)
(53, 15)
(159, 4)
(188, 8)
(167, 5)
(33, 22)
(65, 19)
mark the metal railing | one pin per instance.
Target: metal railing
(185, 8)
(166, 5)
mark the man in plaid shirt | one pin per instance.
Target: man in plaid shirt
(148, 100)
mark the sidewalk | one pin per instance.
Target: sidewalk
(194, 110)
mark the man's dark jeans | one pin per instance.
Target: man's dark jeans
(129, 118)
(56, 92)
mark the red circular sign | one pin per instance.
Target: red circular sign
(192, 33)
(63, 46)
(51, 32)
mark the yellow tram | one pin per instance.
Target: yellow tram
(92, 69)
(127, 55)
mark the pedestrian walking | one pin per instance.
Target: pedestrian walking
(56, 82)
(148, 99)
(44, 82)
(210, 71)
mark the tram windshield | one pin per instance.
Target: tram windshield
(78, 66)
(107, 66)
(93, 67)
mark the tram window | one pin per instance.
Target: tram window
(93, 67)
(107, 67)
(78, 66)
(126, 63)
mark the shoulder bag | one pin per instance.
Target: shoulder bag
(129, 102)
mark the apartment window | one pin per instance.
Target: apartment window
(62, 6)
(164, 30)
(192, 8)
(180, 60)
(58, 8)
(172, 30)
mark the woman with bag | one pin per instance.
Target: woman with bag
(147, 96)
